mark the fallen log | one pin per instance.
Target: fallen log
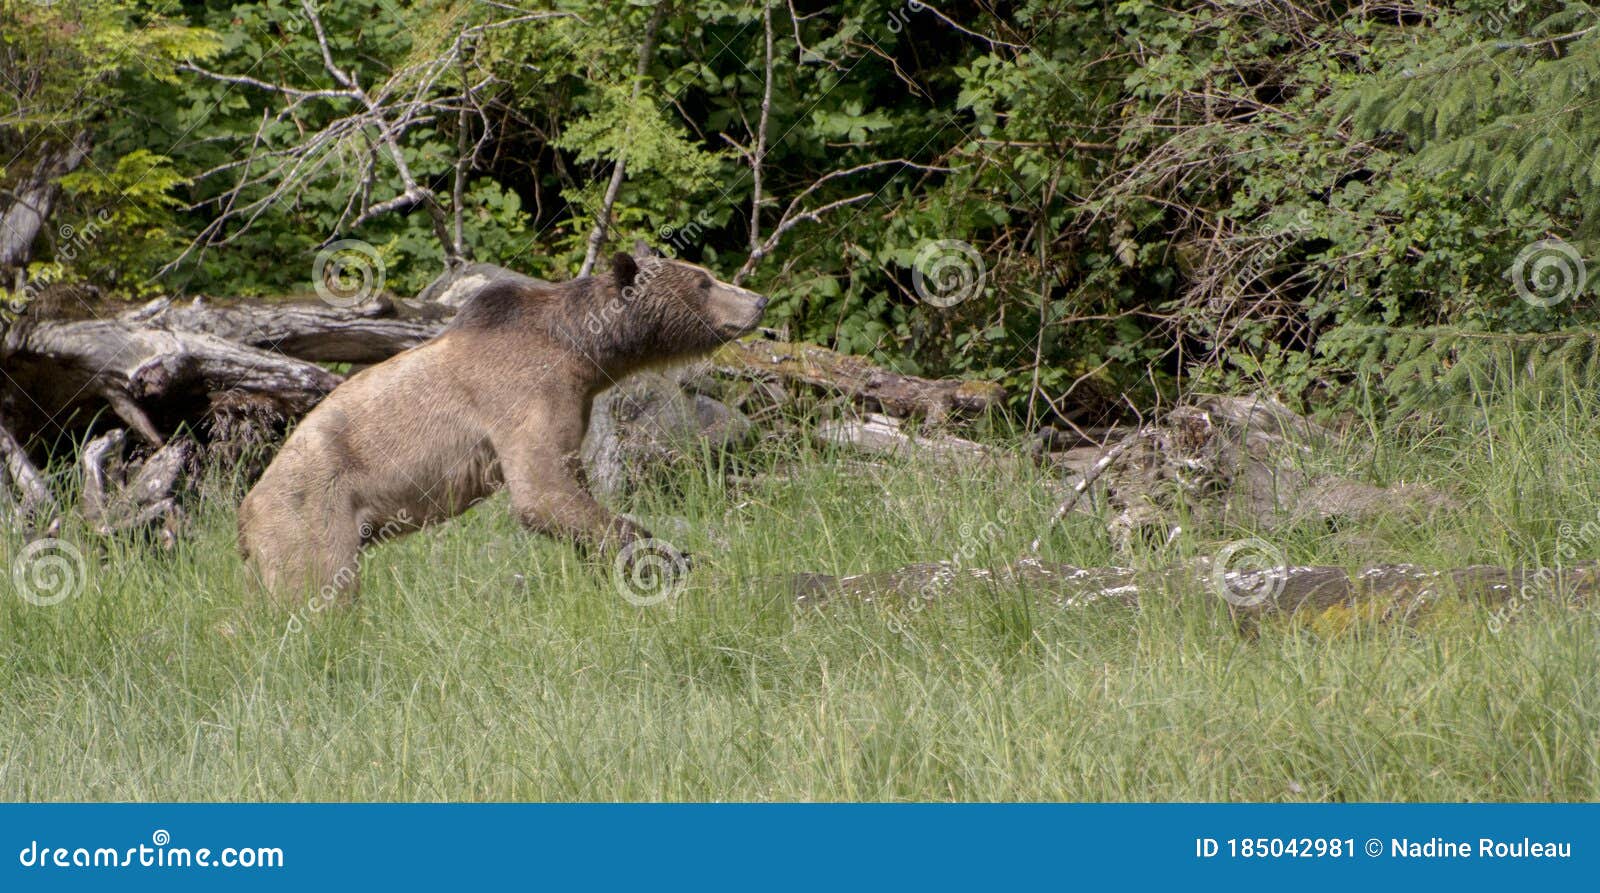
(65, 363)
(116, 502)
(372, 332)
(97, 459)
(455, 286)
(871, 386)
(365, 333)
(33, 494)
(883, 436)
(1281, 590)
(1215, 458)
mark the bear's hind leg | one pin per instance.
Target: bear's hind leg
(315, 564)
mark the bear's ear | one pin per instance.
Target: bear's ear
(642, 250)
(623, 269)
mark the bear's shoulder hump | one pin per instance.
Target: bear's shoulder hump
(496, 305)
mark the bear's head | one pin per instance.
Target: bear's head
(685, 308)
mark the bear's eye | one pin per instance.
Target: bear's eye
(705, 282)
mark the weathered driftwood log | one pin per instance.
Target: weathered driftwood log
(1223, 458)
(61, 364)
(1273, 590)
(33, 495)
(653, 419)
(455, 286)
(115, 500)
(365, 333)
(98, 458)
(871, 386)
(883, 436)
(372, 332)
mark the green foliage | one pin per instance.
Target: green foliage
(134, 201)
(1501, 93)
(89, 73)
(1160, 196)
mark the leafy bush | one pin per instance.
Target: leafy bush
(1157, 195)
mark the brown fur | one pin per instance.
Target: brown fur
(501, 398)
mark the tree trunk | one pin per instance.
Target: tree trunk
(33, 199)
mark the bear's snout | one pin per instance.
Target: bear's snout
(737, 311)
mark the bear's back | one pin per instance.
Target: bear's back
(497, 305)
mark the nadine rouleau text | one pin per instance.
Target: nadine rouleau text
(1377, 848)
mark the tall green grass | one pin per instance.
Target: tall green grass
(483, 663)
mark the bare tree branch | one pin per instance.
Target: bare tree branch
(792, 215)
(602, 223)
(991, 41)
(360, 144)
(760, 154)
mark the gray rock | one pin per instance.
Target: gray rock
(652, 419)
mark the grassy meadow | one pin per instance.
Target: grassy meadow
(486, 664)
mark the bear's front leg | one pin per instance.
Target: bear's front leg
(549, 495)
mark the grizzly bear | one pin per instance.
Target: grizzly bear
(500, 398)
